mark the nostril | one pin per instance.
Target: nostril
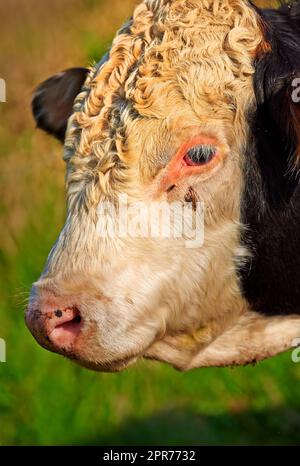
(58, 313)
(77, 319)
(68, 324)
(67, 327)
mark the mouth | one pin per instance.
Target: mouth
(117, 365)
(68, 329)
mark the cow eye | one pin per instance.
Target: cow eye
(200, 155)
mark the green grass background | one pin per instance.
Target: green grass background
(44, 399)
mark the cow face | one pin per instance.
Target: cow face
(163, 120)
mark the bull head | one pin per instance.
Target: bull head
(191, 107)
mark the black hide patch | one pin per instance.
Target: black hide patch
(271, 203)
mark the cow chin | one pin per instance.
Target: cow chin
(118, 365)
(91, 355)
(174, 350)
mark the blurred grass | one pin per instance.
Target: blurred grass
(44, 399)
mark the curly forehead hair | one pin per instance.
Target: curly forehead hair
(146, 77)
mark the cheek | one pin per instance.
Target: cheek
(146, 273)
(149, 269)
(168, 297)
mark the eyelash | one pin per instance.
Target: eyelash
(200, 155)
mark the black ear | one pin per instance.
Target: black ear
(277, 79)
(53, 100)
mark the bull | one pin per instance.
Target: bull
(195, 103)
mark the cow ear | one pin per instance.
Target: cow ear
(277, 83)
(53, 100)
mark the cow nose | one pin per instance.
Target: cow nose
(57, 328)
